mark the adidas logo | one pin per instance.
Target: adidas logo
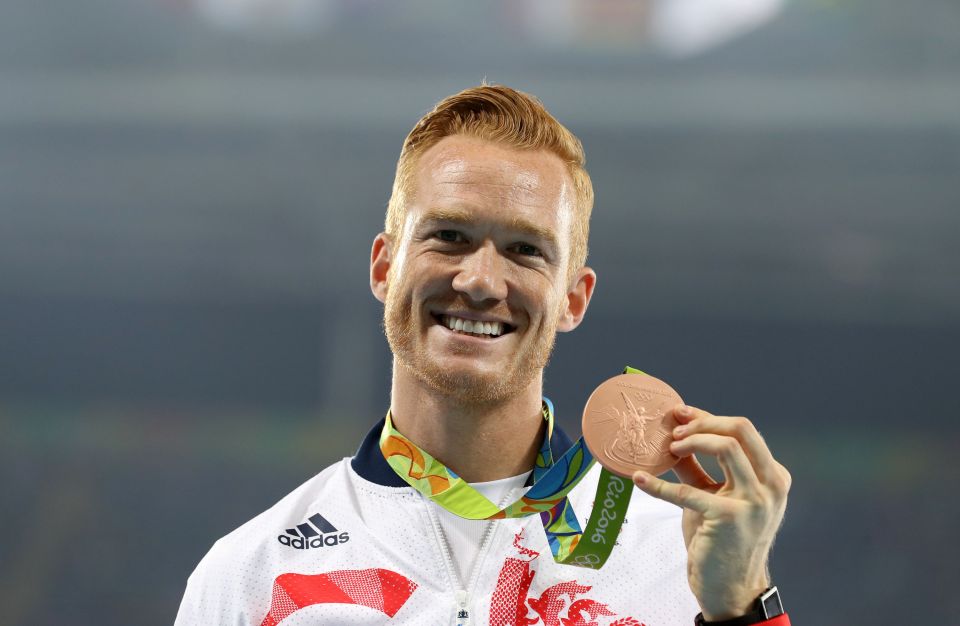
(316, 532)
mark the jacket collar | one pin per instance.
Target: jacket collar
(370, 464)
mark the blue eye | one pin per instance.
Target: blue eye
(527, 250)
(450, 236)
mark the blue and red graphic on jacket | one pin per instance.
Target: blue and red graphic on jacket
(562, 604)
(379, 589)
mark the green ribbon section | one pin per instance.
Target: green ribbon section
(552, 481)
(609, 511)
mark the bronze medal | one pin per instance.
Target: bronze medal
(626, 426)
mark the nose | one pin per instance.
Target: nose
(480, 275)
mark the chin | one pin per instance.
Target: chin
(468, 384)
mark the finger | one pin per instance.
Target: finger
(742, 430)
(684, 413)
(689, 470)
(729, 452)
(681, 494)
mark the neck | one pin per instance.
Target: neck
(479, 442)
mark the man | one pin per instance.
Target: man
(482, 262)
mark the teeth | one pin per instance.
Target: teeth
(494, 329)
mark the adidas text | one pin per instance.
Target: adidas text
(302, 543)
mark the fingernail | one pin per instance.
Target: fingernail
(679, 430)
(640, 478)
(683, 410)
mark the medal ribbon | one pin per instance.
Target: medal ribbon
(552, 481)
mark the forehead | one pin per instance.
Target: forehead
(496, 180)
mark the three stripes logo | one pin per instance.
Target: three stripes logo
(316, 532)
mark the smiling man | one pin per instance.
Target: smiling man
(482, 262)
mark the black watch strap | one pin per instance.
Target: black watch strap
(766, 606)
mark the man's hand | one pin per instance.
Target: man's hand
(728, 527)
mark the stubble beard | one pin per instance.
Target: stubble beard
(468, 387)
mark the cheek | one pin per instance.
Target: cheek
(556, 307)
(543, 302)
(415, 284)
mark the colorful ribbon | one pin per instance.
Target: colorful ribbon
(552, 481)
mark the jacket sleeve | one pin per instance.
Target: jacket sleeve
(209, 599)
(191, 606)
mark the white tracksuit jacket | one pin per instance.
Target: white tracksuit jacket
(357, 545)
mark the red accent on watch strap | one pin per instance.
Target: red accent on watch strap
(780, 620)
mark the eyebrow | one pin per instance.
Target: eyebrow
(518, 224)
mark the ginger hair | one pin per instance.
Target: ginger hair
(507, 117)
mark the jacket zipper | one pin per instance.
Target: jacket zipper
(463, 609)
(462, 613)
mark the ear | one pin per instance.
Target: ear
(381, 257)
(578, 299)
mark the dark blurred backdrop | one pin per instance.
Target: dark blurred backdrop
(189, 190)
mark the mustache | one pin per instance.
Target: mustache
(460, 304)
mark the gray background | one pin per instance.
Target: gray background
(186, 210)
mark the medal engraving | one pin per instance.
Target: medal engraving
(626, 427)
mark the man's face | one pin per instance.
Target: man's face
(477, 282)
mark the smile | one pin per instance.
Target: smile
(475, 328)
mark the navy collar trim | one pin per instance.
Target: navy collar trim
(370, 464)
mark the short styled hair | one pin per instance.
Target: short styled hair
(504, 116)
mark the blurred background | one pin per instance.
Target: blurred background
(188, 194)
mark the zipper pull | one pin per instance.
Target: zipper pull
(463, 613)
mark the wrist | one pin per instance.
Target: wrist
(732, 603)
(765, 609)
